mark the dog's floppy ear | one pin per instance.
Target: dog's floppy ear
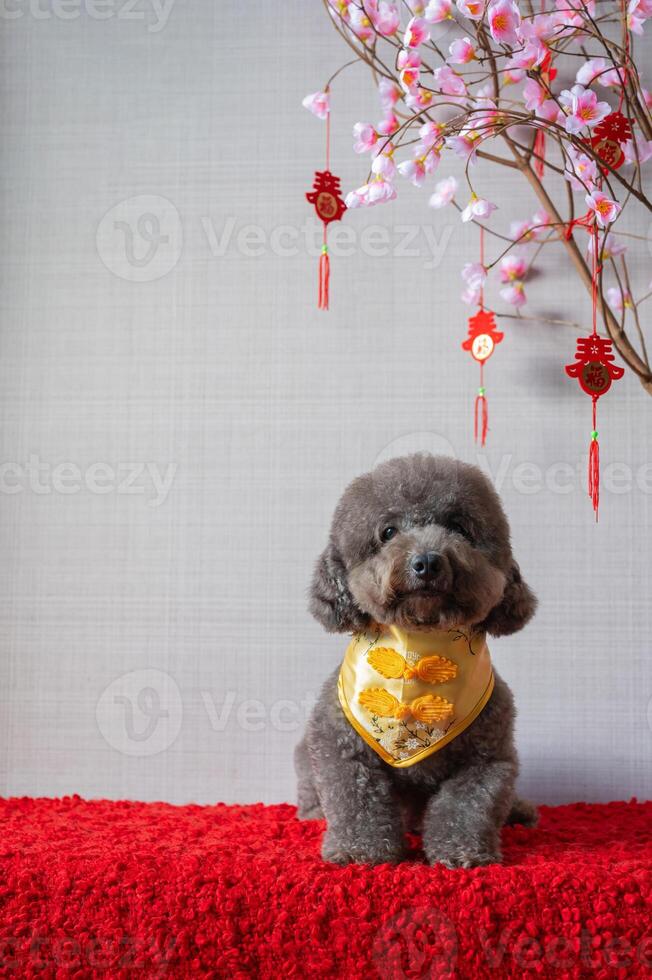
(331, 603)
(516, 607)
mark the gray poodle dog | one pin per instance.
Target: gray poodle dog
(419, 544)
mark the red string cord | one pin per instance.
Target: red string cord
(324, 271)
(594, 449)
(480, 409)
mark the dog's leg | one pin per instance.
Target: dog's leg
(308, 805)
(464, 817)
(355, 790)
(365, 823)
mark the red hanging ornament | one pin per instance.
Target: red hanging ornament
(481, 343)
(608, 138)
(326, 199)
(595, 370)
(593, 366)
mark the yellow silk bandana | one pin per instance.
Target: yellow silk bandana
(409, 694)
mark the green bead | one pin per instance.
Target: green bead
(481, 391)
(594, 434)
(324, 250)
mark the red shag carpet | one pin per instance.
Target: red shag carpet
(134, 889)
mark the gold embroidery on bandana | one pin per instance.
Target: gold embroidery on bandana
(390, 663)
(429, 708)
(409, 694)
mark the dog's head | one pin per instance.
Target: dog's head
(421, 542)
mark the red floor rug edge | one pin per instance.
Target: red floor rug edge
(122, 888)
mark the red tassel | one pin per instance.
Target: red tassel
(482, 410)
(540, 150)
(324, 278)
(594, 472)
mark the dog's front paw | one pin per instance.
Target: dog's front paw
(337, 851)
(472, 854)
(467, 859)
(463, 857)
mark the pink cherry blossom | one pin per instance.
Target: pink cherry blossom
(549, 111)
(365, 137)
(614, 78)
(474, 9)
(461, 51)
(519, 231)
(444, 193)
(416, 7)
(529, 57)
(357, 198)
(474, 275)
(513, 76)
(464, 146)
(504, 21)
(387, 125)
(604, 208)
(360, 24)
(317, 103)
(514, 294)
(541, 26)
(383, 163)
(417, 32)
(430, 133)
(534, 95)
(437, 11)
(408, 64)
(419, 98)
(619, 300)
(340, 9)
(590, 70)
(581, 171)
(448, 81)
(381, 190)
(529, 231)
(478, 207)
(609, 248)
(417, 169)
(570, 13)
(386, 19)
(540, 221)
(638, 12)
(512, 267)
(639, 153)
(389, 93)
(583, 109)
(376, 191)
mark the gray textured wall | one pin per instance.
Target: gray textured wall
(178, 419)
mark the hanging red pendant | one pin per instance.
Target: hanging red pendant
(595, 370)
(481, 343)
(608, 138)
(327, 201)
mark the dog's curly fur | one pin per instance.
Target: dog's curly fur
(463, 794)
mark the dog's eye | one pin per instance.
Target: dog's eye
(388, 533)
(458, 528)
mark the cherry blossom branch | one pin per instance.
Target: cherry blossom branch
(540, 127)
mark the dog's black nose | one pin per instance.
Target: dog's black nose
(426, 565)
